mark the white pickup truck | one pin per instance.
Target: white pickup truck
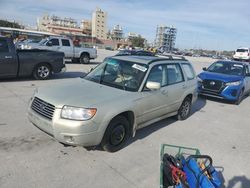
(63, 44)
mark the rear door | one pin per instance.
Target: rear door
(66, 48)
(8, 59)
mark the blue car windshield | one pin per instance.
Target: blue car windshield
(120, 74)
(230, 68)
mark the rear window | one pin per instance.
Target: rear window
(189, 71)
(242, 50)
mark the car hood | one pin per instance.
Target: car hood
(218, 76)
(79, 93)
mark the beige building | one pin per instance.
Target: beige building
(57, 25)
(86, 26)
(99, 24)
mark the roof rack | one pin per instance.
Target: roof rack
(172, 57)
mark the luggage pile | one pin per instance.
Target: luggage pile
(183, 167)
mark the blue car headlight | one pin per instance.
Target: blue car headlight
(233, 83)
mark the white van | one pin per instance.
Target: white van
(242, 54)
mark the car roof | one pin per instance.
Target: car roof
(148, 59)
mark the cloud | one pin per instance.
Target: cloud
(208, 24)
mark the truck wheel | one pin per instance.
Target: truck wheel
(84, 59)
(42, 72)
(184, 110)
(116, 134)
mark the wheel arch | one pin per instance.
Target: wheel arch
(129, 115)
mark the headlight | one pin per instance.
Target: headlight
(233, 83)
(199, 79)
(75, 113)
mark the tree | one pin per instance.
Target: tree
(138, 41)
(4, 23)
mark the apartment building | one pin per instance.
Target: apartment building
(99, 24)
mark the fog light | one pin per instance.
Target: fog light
(69, 139)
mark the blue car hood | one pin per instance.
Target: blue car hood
(218, 76)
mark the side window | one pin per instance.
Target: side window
(65, 42)
(3, 46)
(189, 71)
(248, 69)
(55, 42)
(174, 74)
(155, 74)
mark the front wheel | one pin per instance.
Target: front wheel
(42, 72)
(185, 109)
(84, 59)
(240, 97)
(116, 134)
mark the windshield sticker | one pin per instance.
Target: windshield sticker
(238, 65)
(139, 67)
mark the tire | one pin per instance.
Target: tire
(84, 59)
(185, 109)
(240, 97)
(42, 71)
(116, 134)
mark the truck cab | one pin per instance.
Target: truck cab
(8, 58)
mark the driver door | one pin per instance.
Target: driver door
(153, 104)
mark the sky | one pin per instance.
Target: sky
(207, 24)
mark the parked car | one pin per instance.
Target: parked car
(118, 97)
(228, 80)
(65, 45)
(242, 54)
(39, 63)
(134, 52)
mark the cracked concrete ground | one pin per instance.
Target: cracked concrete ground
(31, 158)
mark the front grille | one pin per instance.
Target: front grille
(43, 108)
(215, 85)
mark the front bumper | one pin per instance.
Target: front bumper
(229, 92)
(82, 133)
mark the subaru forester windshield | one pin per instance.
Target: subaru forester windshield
(120, 74)
(230, 68)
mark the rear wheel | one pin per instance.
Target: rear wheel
(42, 72)
(185, 109)
(116, 134)
(84, 59)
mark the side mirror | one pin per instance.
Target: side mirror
(153, 85)
(204, 68)
(49, 43)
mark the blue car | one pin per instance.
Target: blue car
(228, 80)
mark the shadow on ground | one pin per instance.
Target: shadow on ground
(243, 181)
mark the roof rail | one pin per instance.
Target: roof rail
(172, 57)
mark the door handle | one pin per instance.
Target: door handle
(164, 92)
(8, 57)
(184, 86)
